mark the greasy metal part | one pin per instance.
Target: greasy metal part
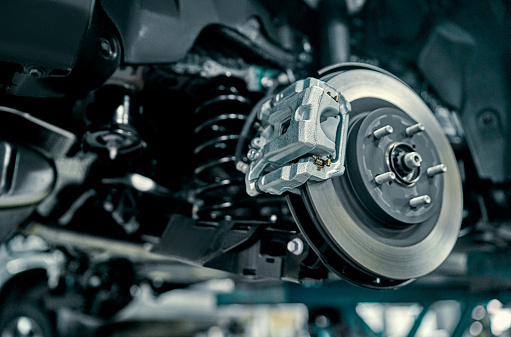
(380, 253)
(303, 137)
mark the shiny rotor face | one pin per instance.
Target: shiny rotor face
(395, 214)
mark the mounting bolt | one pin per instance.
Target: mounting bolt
(107, 49)
(295, 246)
(383, 178)
(437, 169)
(383, 131)
(420, 201)
(35, 72)
(252, 154)
(414, 129)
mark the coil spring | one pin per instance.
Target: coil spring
(221, 191)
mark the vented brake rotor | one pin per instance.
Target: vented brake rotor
(395, 214)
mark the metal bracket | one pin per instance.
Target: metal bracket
(303, 137)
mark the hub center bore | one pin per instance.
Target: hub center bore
(404, 162)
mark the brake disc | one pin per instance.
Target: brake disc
(395, 214)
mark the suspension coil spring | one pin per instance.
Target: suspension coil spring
(221, 191)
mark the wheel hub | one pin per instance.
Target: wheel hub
(386, 170)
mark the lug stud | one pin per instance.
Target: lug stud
(420, 201)
(383, 131)
(437, 169)
(414, 129)
(383, 178)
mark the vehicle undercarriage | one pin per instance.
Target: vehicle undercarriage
(302, 141)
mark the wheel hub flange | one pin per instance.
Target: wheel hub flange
(402, 157)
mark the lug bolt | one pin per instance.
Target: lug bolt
(420, 201)
(437, 169)
(412, 130)
(295, 246)
(383, 178)
(412, 160)
(383, 131)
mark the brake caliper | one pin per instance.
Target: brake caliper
(302, 137)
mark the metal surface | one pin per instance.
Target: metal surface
(27, 173)
(22, 128)
(304, 137)
(26, 177)
(462, 65)
(44, 38)
(406, 254)
(163, 32)
(94, 244)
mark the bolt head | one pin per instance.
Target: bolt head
(253, 154)
(295, 246)
(35, 72)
